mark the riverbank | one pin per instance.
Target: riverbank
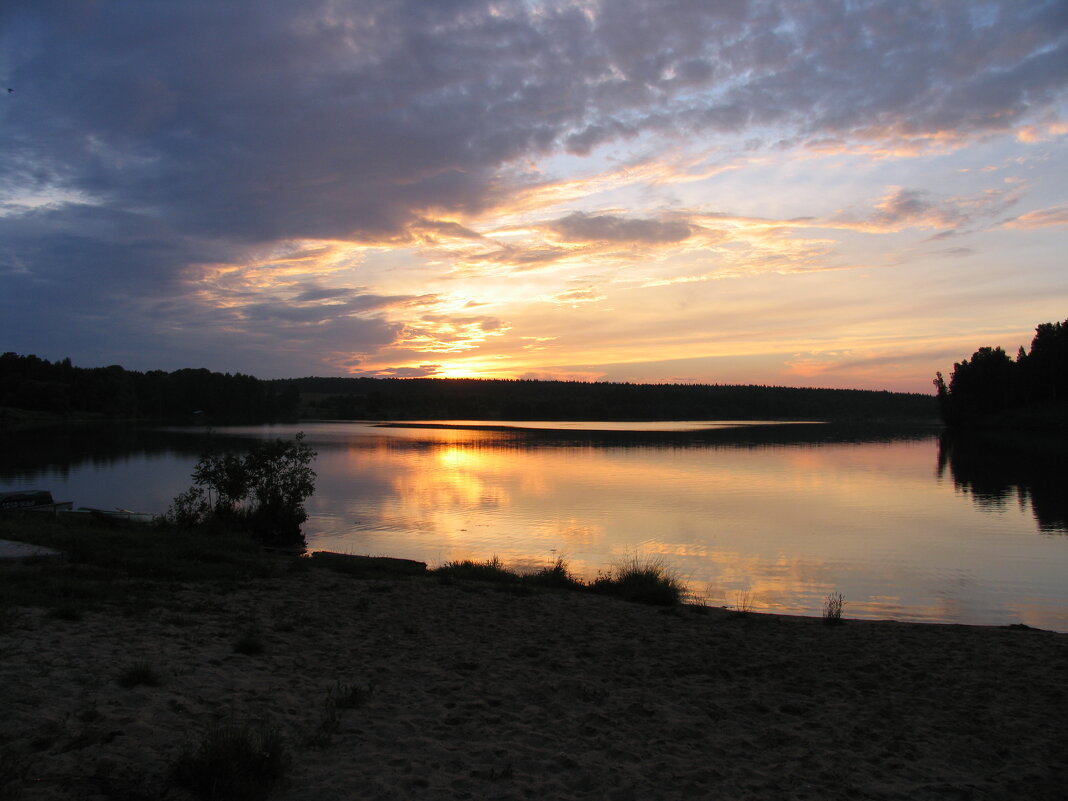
(417, 687)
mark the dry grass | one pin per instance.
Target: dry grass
(832, 609)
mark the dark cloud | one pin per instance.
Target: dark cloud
(579, 227)
(314, 312)
(343, 119)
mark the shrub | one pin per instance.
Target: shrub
(648, 582)
(262, 492)
(188, 508)
(232, 761)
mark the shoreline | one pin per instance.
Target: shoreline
(472, 690)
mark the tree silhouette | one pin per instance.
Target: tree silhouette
(985, 387)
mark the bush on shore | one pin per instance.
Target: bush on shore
(262, 492)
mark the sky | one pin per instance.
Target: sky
(833, 193)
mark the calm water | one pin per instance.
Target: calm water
(905, 526)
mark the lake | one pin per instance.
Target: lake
(905, 525)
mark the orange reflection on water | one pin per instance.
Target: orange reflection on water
(785, 524)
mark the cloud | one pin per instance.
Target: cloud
(581, 227)
(902, 208)
(441, 333)
(1042, 218)
(519, 257)
(435, 231)
(577, 295)
(313, 292)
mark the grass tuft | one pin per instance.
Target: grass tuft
(832, 609)
(492, 570)
(557, 576)
(648, 582)
(350, 696)
(235, 762)
(744, 601)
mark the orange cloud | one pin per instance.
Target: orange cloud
(448, 334)
(1042, 132)
(1042, 218)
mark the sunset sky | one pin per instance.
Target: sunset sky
(804, 193)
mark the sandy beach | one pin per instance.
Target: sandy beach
(416, 688)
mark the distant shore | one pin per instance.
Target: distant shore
(396, 687)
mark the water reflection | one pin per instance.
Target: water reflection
(903, 524)
(997, 469)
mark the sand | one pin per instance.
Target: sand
(469, 692)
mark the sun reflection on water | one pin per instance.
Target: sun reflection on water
(783, 523)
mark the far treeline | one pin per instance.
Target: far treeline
(199, 395)
(992, 390)
(497, 399)
(60, 389)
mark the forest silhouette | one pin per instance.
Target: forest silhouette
(198, 395)
(992, 390)
(59, 388)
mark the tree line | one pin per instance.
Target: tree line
(59, 388)
(501, 399)
(195, 395)
(993, 389)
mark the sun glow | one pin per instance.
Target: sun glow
(472, 369)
